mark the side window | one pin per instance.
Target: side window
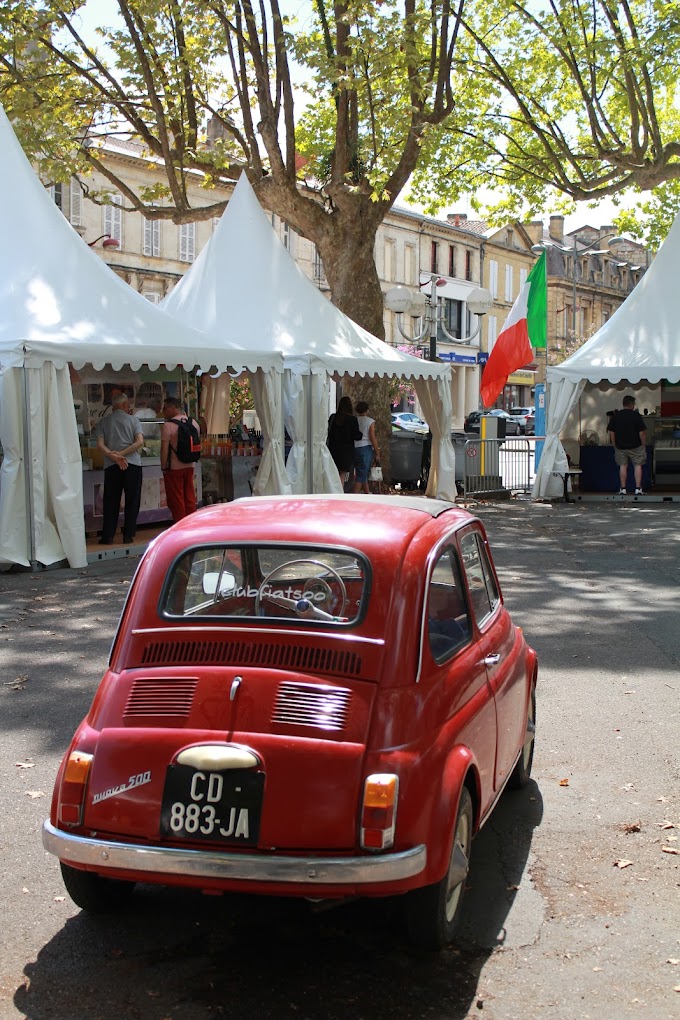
(481, 582)
(448, 623)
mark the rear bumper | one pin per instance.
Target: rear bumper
(102, 855)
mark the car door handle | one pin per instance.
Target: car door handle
(492, 660)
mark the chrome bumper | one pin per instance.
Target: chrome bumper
(101, 854)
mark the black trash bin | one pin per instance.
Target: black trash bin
(406, 458)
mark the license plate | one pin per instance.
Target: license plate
(223, 807)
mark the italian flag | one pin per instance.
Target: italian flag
(525, 327)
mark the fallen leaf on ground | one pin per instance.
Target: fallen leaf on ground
(622, 864)
(670, 850)
(18, 684)
(665, 824)
(564, 782)
(25, 764)
(633, 827)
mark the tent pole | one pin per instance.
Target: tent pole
(310, 446)
(28, 470)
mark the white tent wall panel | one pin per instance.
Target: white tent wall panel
(39, 436)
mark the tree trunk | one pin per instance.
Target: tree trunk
(349, 265)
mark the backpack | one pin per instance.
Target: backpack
(188, 447)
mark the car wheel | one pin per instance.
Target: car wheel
(521, 773)
(433, 912)
(93, 893)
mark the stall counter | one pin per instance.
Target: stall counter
(601, 473)
(153, 508)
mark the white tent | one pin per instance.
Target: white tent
(640, 343)
(60, 303)
(246, 287)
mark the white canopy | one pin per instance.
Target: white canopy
(640, 343)
(246, 287)
(60, 303)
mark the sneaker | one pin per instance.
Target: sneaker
(639, 492)
(622, 492)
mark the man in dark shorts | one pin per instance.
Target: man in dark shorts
(628, 433)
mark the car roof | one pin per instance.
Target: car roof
(433, 507)
(378, 525)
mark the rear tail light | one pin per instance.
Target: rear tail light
(73, 786)
(379, 812)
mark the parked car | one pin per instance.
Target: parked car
(471, 423)
(268, 724)
(530, 424)
(520, 413)
(409, 421)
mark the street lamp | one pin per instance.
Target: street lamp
(429, 310)
(574, 251)
(107, 241)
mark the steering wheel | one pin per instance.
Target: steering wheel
(316, 585)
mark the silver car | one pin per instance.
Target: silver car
(409, 421)
(521, 413)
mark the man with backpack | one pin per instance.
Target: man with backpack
(180, 449)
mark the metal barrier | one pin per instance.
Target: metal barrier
(495, 466)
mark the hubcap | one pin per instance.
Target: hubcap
(531, 731)
(458, 867)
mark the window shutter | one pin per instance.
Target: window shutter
(113, 219)
(508, 283)
(187, 242)
(493, 331)
(76, 203)
(493, 278)
(152, 237)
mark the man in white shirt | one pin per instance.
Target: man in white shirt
(120, 437)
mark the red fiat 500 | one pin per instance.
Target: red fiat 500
(310, 696)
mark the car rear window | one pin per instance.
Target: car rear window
(313, 584)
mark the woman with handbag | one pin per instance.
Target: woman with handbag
(365, 449)
(343, 430)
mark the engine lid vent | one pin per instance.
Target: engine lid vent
(324, 708)
(245, 653)
(169, 698)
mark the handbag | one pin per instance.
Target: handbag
(375, 474)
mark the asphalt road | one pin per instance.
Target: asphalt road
(572, 910)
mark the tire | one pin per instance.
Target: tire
(93, 893)
(433, 912)
(521, 774)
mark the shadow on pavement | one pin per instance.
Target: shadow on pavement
(190, 957)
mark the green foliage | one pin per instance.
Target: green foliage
(652, 218)
(579, 97)
(240, 399)
(531, 98)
